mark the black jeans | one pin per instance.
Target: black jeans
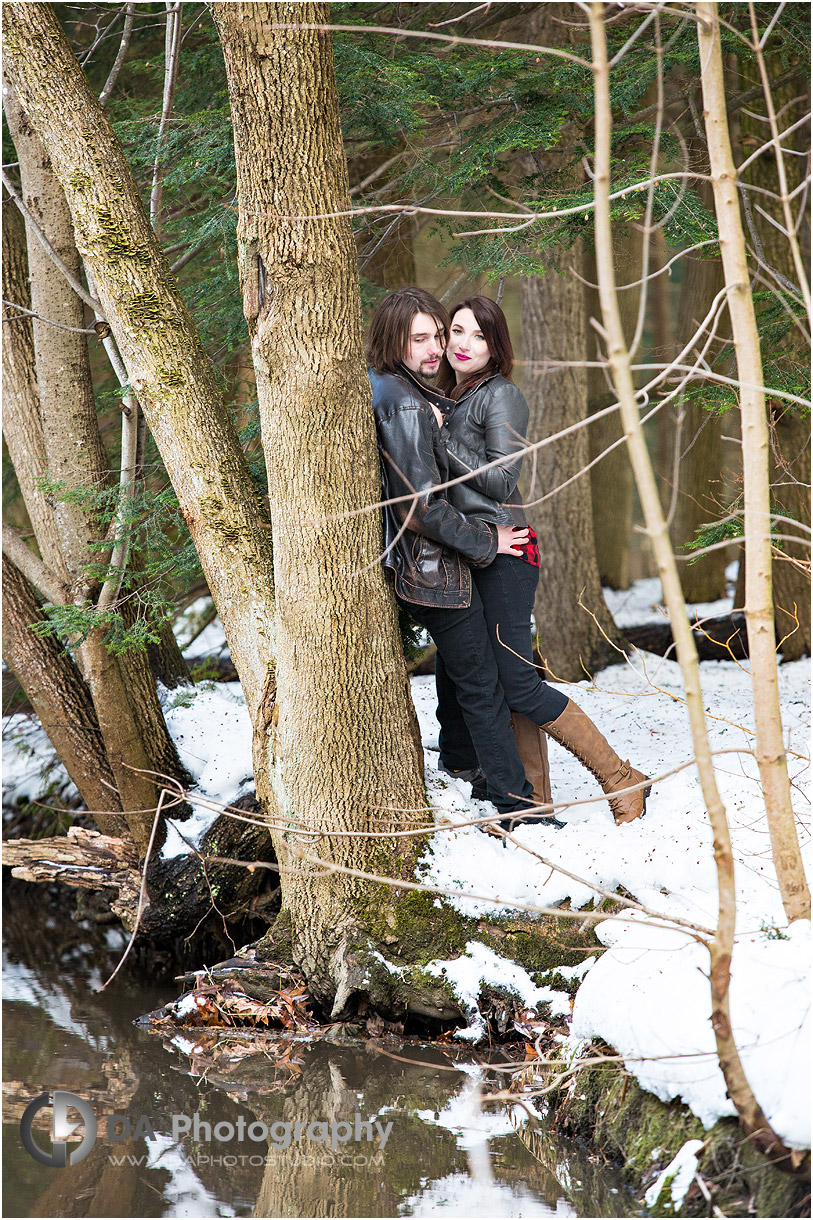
(468, 663)
(507, 588)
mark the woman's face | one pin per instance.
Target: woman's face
(467, 352)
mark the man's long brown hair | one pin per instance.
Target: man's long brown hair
(388, 341)
(494, 329)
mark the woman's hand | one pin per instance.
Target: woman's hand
(510, 538)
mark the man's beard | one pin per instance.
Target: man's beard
(429, 371)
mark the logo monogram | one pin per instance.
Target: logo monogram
(61, 1128)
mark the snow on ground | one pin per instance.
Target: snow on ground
(210, 726)
(643, 602)
(30, 762)
(648, 995)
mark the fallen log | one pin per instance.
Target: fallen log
(84, 859)
(191, 893)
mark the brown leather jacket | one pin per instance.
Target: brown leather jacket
(430, 557)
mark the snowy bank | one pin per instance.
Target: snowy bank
(648, 995)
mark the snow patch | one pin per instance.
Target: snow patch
(480, 966)
(679, 1173)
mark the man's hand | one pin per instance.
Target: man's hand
(510, 538)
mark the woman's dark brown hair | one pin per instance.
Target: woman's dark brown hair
(388, 341)
(494, 329)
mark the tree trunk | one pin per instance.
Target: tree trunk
(129, 714)
(756, 456)
(60, 697)
(789, 427)
(700, 474)
(611, 480)
(571, 636)
(339, 755)
(73, 444)
(751, 1116)
(570, 639)
(22, 426)
(167, 367)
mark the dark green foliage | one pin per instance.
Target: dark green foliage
(162, 564)
(410, 635)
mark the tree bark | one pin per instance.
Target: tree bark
(339, 753)
(611, 480)
(73, 444)
(130, 717)
(167, 367)
(571, 636)
(759, 612)
(571, 641)
(700, 474)
(60, 697)
(22, 425)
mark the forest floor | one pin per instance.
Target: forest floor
(647, 994)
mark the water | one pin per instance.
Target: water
(441, 1154)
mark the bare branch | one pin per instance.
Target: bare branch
(33, 568)
(450, 39)
(171, 57)
(29, 313)
(123, 48)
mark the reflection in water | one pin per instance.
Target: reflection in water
(441, 1152)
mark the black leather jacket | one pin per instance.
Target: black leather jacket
(430, 559)
(488, 422)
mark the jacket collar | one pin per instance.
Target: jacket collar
(475, 385)
(429, 392)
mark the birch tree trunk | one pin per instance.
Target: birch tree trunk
(759, 611)
(751, 1115)
(340, 754)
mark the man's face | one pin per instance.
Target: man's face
(427, 341)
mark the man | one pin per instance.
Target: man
(429, 544)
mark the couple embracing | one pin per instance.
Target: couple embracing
(465, 563)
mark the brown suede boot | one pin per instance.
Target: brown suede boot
(574, 730)
(532, 745)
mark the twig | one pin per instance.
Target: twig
(123, 47)
(142, 893)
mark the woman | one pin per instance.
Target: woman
(488, 423)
